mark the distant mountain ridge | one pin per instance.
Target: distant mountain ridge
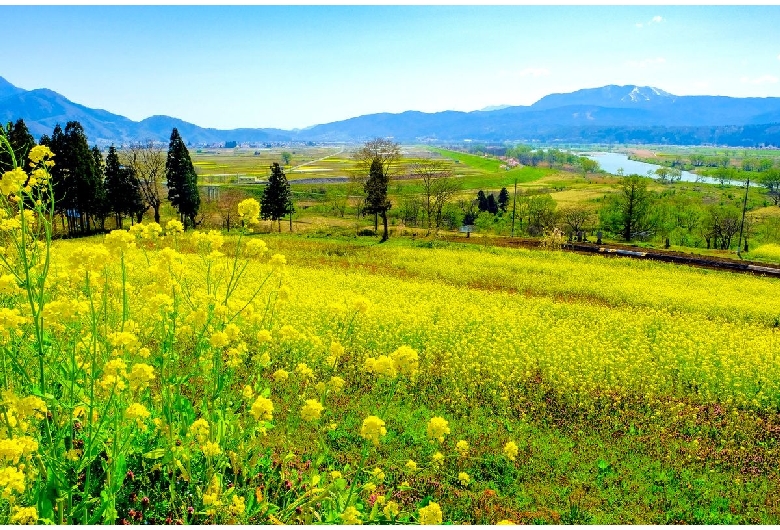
(614, 113)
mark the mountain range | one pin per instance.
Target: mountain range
(623, 114)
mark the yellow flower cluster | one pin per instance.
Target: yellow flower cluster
(249, 211)
(312, 410)
(431, 514)
(138, 413)
(373, 428)
(12, 181)
(437, 428)
(262, 409)
(404, 360)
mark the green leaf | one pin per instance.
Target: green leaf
(155, 454)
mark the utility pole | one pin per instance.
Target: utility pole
(742, 225)
(514, 204)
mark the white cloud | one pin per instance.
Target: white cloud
(655, 20)
(778, 57)
(644, 63)
(534, 72)
(760, 80)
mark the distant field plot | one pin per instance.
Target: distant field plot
(226, 166)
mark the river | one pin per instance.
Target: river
(611, 162)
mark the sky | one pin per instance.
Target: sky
(297, 66)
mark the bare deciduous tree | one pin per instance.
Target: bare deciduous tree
(148, 162)
(439, 186)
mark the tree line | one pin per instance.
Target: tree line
(88, 188)
(634, 213)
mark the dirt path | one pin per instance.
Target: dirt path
(314, 161)
(627, 251)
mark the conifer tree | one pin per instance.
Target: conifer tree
(379, 159)
(76, 176)
(277, 197)
(58, 174)
(376, 193)
(482, 203)
(503, 199)
(182, 180)
(492, 205)
(123, 193)
(99, 207)
(21, 142)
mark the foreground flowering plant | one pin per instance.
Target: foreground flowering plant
(127, 401)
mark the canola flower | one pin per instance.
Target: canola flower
(437, 428)
(373, 429)
(351, 516)
(262, 409)
(312, 410)
(577, 348)
(391, 510)
(431, 514)
(26, 515)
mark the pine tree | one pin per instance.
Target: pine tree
(503, 199)
(277, 197)
(76, 176)
(99, 207)
(379, 158)
(492, 205)
(376, 193)
(482, 203)
(21, 142)
(123, 190)
(182, 180)
(62, 199)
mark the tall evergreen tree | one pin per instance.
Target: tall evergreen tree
(277, 197)
(376, 193)
(76, 176)
(182, 180)
(56, 143)
(80, 166)
(114, 195)
(482, 203)
(503, 199)
(379, 159)
(21, 142)
(99, 208)
(492, 205)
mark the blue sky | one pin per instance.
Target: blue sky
(296, 66)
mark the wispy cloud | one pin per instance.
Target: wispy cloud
(644, 63)
(761, 80)
(655, 20)
(533, 72)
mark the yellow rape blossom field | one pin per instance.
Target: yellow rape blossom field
(156, 376)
